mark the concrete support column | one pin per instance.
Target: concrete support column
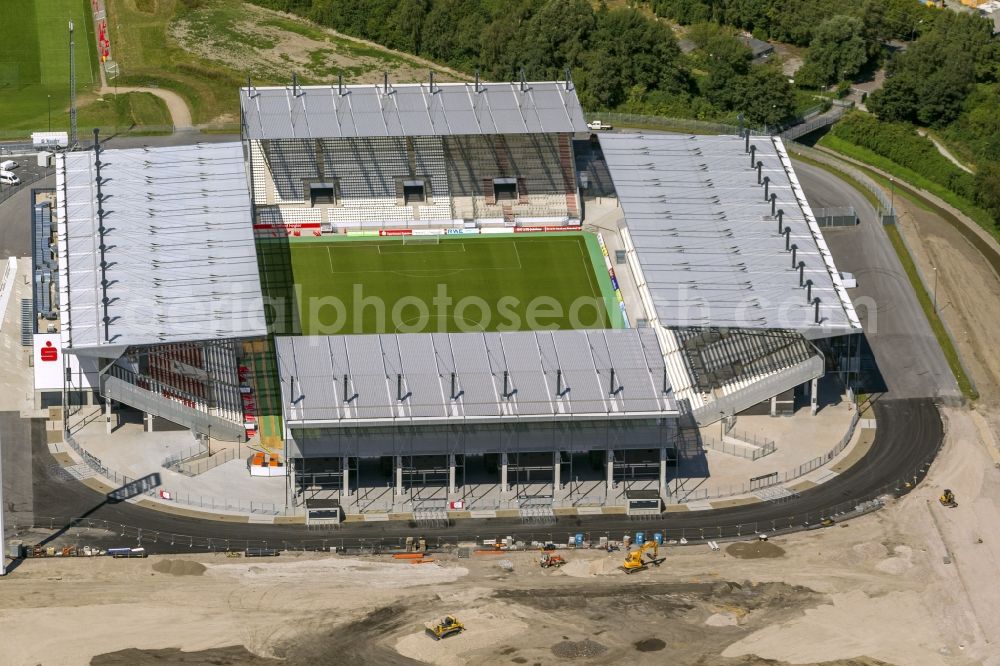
(399, 474)
(107, 415)
(814, 397)
(663, 471)
(774, 406)
(504, 487)
(611, 471)
(345, 489)
(556, 468)
(149, 422)
(451, 474)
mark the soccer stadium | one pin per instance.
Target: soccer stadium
(429, 296)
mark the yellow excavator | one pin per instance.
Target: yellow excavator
(634, 559)
(551, 561)
(448, 626)
(948, 499)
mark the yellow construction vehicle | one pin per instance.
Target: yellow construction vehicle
(550, 560)
(948, 499)
(634, 561)
(448, 626)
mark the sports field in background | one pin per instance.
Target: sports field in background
(34, 60)
(370, 285)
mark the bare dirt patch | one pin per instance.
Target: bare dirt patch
(755, 550)
(179, 567)
(584, 649)
(270, 45)
(825, 601)
(236, 655)
(650, 645)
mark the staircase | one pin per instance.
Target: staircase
(568, 174)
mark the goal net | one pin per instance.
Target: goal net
(421, 240)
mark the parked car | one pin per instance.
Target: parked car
(8, 165)
(8, 178)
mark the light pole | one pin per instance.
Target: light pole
(50, 112)
(892, 198)
(935, 288)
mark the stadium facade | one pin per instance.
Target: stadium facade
(730, 298)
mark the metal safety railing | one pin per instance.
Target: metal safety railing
(116, 533)
(745, 446)
(164, 493)
(699, 494)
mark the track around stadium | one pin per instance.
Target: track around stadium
(910, 434)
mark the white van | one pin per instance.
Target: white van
(7, 178)
(8, 165)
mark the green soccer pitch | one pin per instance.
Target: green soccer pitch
(420, 285)
(34, 62)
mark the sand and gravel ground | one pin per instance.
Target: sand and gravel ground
(913, 584)
(876, 590)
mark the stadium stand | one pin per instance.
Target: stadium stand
(540, 164)
(291, 162)
(733, 359)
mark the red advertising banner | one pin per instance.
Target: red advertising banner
(287, 226)
(395, 232)
(522, 230)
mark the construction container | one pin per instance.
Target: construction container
(15, 550)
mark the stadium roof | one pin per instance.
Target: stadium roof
(710, 252)
(178, 246)
(393, 379)
(321, 112)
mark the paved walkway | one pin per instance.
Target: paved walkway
(131, 451)
(944, 151)
(16, 382)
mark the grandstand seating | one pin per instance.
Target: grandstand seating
(369, 173)
(680, 375)
(593, 168)
(290, 162)
(201, 376)
(258, 167)
(541, 163)
(459, 171)
(732, 359)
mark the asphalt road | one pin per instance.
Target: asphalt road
(909, 435)
(908, 355)
(15, 214)
(15, 447)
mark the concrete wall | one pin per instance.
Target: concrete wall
(483, 438)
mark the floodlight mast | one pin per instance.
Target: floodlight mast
(72, 91)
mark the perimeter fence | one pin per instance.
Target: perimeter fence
(112, 533)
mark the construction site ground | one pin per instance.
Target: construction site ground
(907, 585)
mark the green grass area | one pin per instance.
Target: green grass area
(527, 282)
(981, 217)
(204, 49)
(34, 62)
(148, 56)
(122, 112)
(259, 357)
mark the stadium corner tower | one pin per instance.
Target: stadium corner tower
(189, 278)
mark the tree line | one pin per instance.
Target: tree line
(621, 59)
